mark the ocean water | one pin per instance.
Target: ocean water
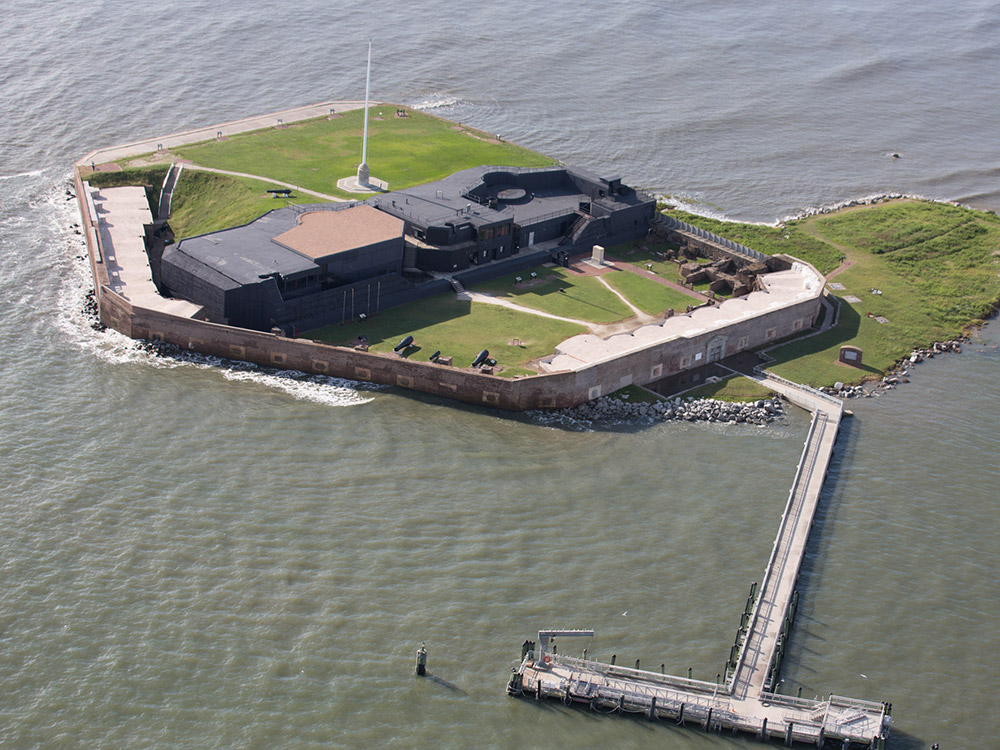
(197, 554)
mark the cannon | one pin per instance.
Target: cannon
(481, 357)
(403, 344)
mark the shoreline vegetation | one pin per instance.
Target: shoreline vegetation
(906, 272)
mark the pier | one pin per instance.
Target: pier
(744, 699)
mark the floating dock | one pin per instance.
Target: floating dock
(744, 701)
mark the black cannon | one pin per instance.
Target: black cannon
(403, 344)
(435, 355)
(481, 357)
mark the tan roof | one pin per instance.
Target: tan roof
(322, 233)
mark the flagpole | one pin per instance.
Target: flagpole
(368, 77)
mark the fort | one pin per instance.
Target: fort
(247, 292)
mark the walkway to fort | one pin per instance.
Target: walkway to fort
(745, 700)
(275, 119)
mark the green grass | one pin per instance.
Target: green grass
(945, 279)
(648, 295)
(790, 239)
(936, 265)
(560, 292)
(735, 389)
(203, 201)
(636, 395)
(403, 151)
(460, 329)
(206, 202)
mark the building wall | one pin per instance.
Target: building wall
(556, 390)
(366, 262)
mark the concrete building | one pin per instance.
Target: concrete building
(485, 214)
(301, 267)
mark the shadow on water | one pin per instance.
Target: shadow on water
(445, 684)
(902, 741)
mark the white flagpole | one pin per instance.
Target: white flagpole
(368, 76)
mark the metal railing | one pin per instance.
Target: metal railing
(769, 570)
(833, 400)
(683, 683)
(673, 223)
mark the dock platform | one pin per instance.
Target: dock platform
(745, 700)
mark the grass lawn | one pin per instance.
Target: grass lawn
(735, 389)
(648, 252)
(790, 238)
(460, 329)
(648, 295)
(636, 395)
(936, 266)
(403, 151)
(560, 292)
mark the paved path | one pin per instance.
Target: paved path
(208, 133)
(267, 179)
(598, 329)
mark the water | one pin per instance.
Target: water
(201, 556)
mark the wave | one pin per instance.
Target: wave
(693, 206)
(442, 102)
(32, 173)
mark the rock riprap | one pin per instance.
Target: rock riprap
(608, 409)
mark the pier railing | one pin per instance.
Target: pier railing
(769, 570)
(612, 670)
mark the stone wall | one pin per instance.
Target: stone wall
(555, 390)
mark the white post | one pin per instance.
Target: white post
(368, 78)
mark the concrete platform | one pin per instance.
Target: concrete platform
(121, 214)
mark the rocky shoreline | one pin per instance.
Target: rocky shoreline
(607, 409)
(898, 373)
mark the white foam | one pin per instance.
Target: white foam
(32, 173)
(76, 327)
(441, 102)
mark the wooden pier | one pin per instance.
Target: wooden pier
(745, 700)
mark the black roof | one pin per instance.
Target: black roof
(521, 194)
(247, 253)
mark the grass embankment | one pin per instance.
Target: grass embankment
(736, 389)
(203, 201)
(313, 154)
(936, 267)
(460, 329)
